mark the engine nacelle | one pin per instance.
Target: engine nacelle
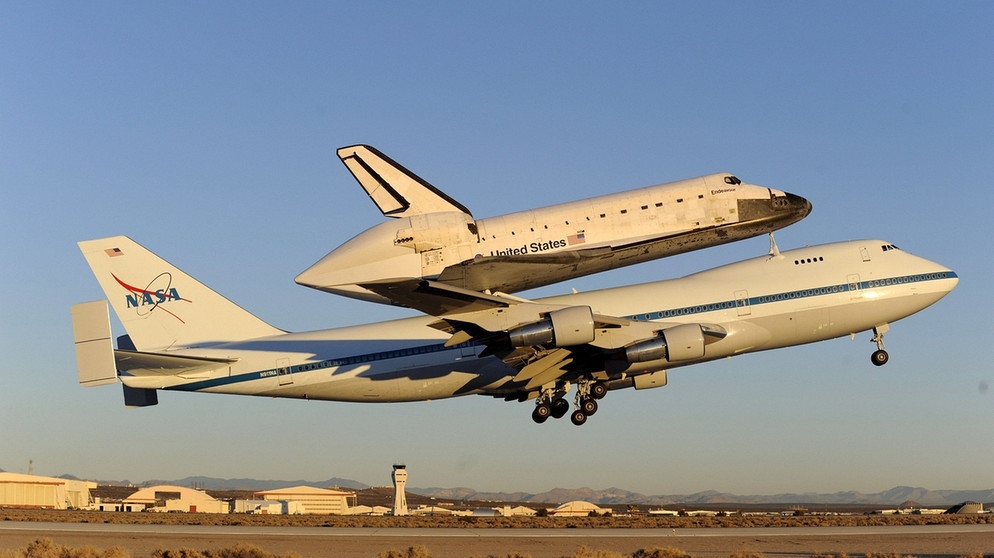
(562, 328)
(682, 342)
(647, 380)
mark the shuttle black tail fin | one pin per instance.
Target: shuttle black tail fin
(396, 191)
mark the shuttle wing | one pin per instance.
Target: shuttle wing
(396, 191)
(518, 273)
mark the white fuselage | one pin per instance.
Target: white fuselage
(800, 296)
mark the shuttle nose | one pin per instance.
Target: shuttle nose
(798, 205)
(779, 209)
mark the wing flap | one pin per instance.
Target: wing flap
(546, 369)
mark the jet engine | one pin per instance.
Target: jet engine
(682, 342)
(562, 328)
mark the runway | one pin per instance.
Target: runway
(142, 540)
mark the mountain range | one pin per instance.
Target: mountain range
(613, 496)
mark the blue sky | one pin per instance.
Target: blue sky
(207, 132)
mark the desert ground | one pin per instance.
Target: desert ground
(603, 537)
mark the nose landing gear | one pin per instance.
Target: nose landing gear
(880, 356)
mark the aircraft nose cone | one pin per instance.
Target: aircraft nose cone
(799, 205)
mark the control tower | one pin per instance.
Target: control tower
(399, 481)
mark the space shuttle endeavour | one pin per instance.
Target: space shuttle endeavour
(432, 236)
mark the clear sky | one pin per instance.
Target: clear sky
(207, 132)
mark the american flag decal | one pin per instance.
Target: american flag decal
(114, 252)
(577, 238)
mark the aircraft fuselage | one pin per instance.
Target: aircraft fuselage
(799, 296)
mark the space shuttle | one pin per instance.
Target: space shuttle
(431, 236)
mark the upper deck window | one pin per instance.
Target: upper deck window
(732, 180)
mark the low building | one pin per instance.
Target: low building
(267, 507)
(517, 511)
(168, 498)
(314, 500)
(663, 511)
(32, 491)
(369, 510)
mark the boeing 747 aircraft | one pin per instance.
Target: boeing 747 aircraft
(432, 236)
(182, 336)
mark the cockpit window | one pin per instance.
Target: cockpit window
(732, 180)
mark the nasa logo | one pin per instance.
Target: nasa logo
(158, 291)
(146, 298)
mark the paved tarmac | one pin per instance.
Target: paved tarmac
(945, 541)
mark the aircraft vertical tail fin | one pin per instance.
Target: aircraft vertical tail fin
(160, 306)
(396, 191)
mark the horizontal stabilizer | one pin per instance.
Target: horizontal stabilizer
(396, 191)
(137, 363)
(94, 348)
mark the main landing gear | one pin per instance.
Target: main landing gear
(552, 402)
(879, 356)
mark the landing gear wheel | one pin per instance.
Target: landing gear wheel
(578, 418)
(559, 408)
(541, 412)
(588, 406)
(598, 390)
(879, 358)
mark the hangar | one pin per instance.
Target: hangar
(32, 491)
(967, 507)
(168, 498)
(315, 500)
(578, 508)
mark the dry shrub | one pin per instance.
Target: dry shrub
(182, 552)
(411, 552)
(668, 552)
(240, 550)
(746, 554)
(586, 552)
(46, 548)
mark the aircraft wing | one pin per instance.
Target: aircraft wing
(544, 342)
